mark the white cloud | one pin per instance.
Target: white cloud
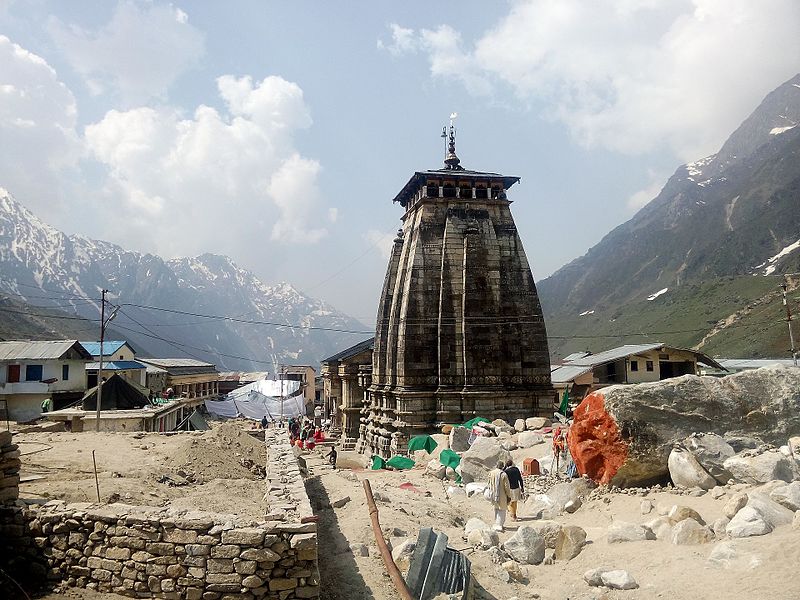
(37, 126)
(137, 54)
(403, 41)
(210, 180)
(630, 75)
(382, 240)
(639, 199)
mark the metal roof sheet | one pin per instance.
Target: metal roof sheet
(632, 349)
(614, 354)
(166, 363)
(735, 364)
(31, 350)
(115, 365)
(109, 347)
(351, 351)
(575, 356)
(567, 373)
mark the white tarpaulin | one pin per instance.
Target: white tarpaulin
(265, 397)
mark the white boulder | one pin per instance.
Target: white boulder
(760, 468)
(526, 439)
(686, 471)
(621, 531)
(526, 546)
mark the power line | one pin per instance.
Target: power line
(170, 342)
(245, 321)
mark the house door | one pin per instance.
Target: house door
(13, 374)
(667, 369)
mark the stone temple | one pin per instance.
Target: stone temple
(459, 330)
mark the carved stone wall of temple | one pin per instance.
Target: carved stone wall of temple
(460, 331)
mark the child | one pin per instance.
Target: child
(331, 456)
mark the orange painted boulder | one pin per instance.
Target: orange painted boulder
(623, 434)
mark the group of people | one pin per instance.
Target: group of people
(304, 434)
(504, 489)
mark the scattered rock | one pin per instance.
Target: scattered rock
(746, 523)
(501, 425)
(621, 531)
(690, 532)
(717, 492)
(734, 505)
(680, 513)
(402, 554)
(509, 444)
(528, 439)
(646, 507)
(594, 576)
(519, 425)
(340, 502)
(719, 526)
(454, 491)
(562, 493)
(359, 549)
(760, 468)
(723, 554)
(618, 580)
(474, 488)
(569, 542)
(525, 546)
(573, 505)
(533, 423)
(483, 539)
(436, 469)
(661, 527)
(787, 495)
(684, 470)
(473, 524)
(711, 452)
(549, 530)
(511, 571)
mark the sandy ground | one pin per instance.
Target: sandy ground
(768, 567)
(144, 469)
(212, 471)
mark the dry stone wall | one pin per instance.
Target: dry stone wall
(148, 552)
(9, 469)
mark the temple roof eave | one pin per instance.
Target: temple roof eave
(418, 179)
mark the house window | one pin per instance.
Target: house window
(634, 365)
(13, 374)
(649, 365)
(33, 373)
(64, 372)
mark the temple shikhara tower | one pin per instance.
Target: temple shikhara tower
(460, 331)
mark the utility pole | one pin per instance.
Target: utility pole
(99, 395)
(789, 320)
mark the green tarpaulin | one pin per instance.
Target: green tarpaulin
(422, 442)
(472, 422)
(378, 463)
(400, 463)
(449, 458)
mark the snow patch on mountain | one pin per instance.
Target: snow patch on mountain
(771, 263)
(655, 295)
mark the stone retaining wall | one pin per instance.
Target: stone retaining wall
(148, 552)
(9, 469)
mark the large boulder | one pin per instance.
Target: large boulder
(755, 468)
(534, 423)
(623, 434)
(711, 451)
(482, 457)
(759, 516)
(684, 470)
(549, 530)
(525, 546)
(459, 439)
(562, 494)
(689, 532)
(621, 531)
(519, 425)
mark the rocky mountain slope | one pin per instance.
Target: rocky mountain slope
(703, 257)
(42, 266)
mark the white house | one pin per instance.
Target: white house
(119, 358)
(32, 372)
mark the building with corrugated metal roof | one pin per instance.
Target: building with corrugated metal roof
(32, 372)
(119, 358)
(187, 377)
(632, 363)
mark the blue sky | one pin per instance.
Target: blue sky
(279, 132)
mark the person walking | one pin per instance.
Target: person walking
(517, 486)
(498, 492)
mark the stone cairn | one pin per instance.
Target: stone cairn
(9, 469)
